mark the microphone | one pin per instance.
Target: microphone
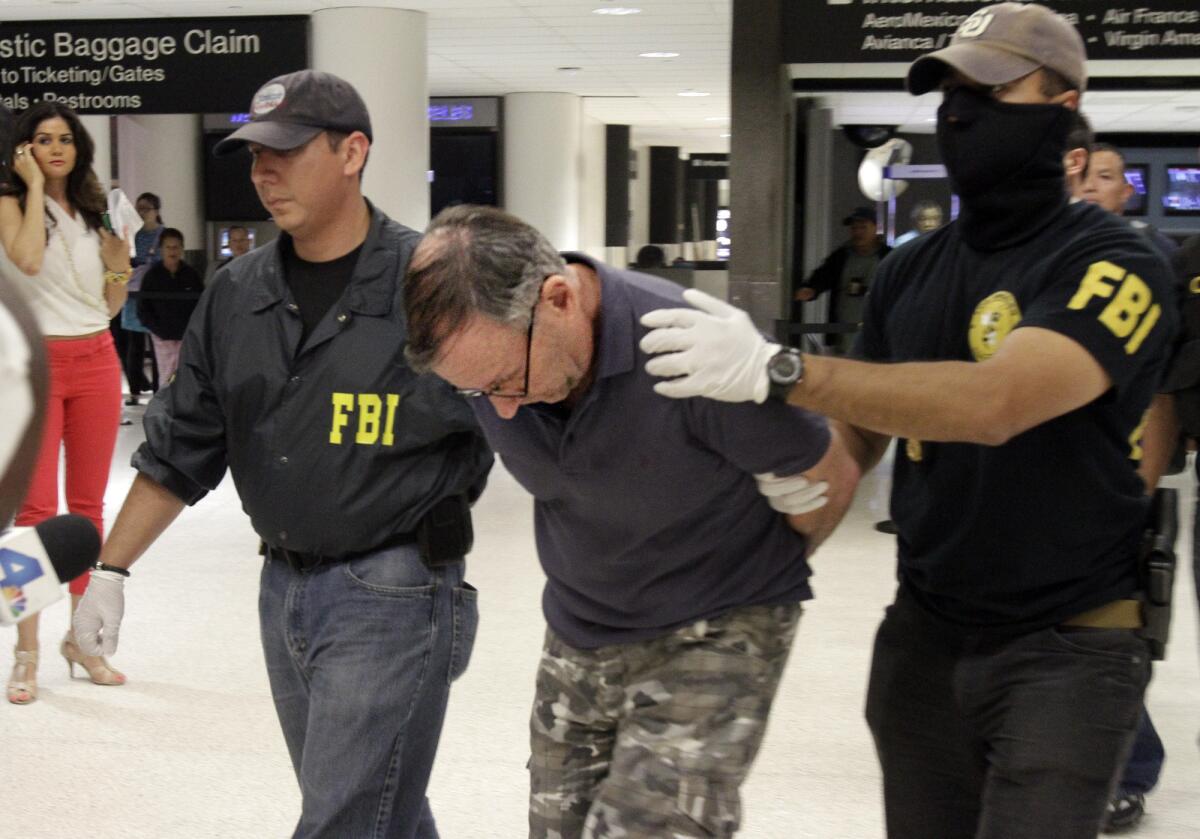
(35, 561)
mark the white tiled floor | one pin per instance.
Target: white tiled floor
(190, 747)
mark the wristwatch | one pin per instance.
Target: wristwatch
(784, 369)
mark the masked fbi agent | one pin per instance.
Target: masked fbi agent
(1013, 354)
(355, 472)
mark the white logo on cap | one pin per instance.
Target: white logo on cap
(975, 25)
(267, 99)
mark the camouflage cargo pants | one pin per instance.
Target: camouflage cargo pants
(651, 740)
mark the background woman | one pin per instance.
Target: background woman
(146, 253)
(74, 274)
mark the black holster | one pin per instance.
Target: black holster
(1156, 570)
(445, 533)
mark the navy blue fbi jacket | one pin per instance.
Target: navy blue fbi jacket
(334, 447)
(1026, 534)
(646, 512)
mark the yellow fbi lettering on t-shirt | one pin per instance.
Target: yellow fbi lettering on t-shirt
(1136, 452)
(375, 415)
(1131, 312)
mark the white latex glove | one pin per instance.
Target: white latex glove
(792, 494)
(714, 348)
(97, 621)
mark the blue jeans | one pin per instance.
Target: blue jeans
(360, 656)
(1145, 761)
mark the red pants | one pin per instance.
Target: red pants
(82, 416)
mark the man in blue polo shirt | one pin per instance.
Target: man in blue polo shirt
(673, 585)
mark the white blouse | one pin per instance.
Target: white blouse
(67, 295)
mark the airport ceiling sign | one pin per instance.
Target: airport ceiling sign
(139, 66)
(708, 167)
(874, 31)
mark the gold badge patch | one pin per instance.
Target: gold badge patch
(995, 317)
(913, 449)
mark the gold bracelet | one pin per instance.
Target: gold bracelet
(117, 277)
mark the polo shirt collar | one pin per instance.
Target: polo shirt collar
(614, 346)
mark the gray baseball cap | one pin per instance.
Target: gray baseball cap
(1000, 44)
(290, 110)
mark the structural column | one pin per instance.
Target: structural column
(99, 129)
(542, 166)
(161, 154)
(616, 194)
(666, 199)
(381, 51)
(760, 164)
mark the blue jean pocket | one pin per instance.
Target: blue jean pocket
(396, 572)
(466, 621)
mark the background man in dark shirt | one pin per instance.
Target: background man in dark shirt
(1023, 343)
(355, 472)
(847, 274)
(170, 290)
(673, 584)
(1105, 186)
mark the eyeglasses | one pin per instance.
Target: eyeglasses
(500, 393)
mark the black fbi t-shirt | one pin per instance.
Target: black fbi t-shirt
(316, 286)
(1047, 525)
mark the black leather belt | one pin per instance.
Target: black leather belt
(300, 561)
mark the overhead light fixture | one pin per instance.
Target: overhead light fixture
(658, 55)
(726, 135)
(692, 93)
(571, 71)
(616, 10)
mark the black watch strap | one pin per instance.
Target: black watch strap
(784, 370)
(101, 566)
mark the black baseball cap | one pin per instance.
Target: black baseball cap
(861, 213)
(290, 110)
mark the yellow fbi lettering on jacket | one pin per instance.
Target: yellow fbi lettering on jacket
(1131, 311)
(374, 415)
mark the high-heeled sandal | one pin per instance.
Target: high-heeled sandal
(97, 666)
(22, 686)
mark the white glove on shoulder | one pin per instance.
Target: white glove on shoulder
(792, 494)
(97, 621)
(714, 349)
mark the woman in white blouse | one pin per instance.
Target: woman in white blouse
(73, 273)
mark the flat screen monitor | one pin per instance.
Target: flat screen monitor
(1182, 197)
(1138, 176)
(724, 243)
(228, 193)
(223, 241)
(465, 165)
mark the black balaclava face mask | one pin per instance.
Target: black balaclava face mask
(1005, 162)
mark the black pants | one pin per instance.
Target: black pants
(131, 349)
(986, 739)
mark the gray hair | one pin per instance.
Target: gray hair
(473, 261)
